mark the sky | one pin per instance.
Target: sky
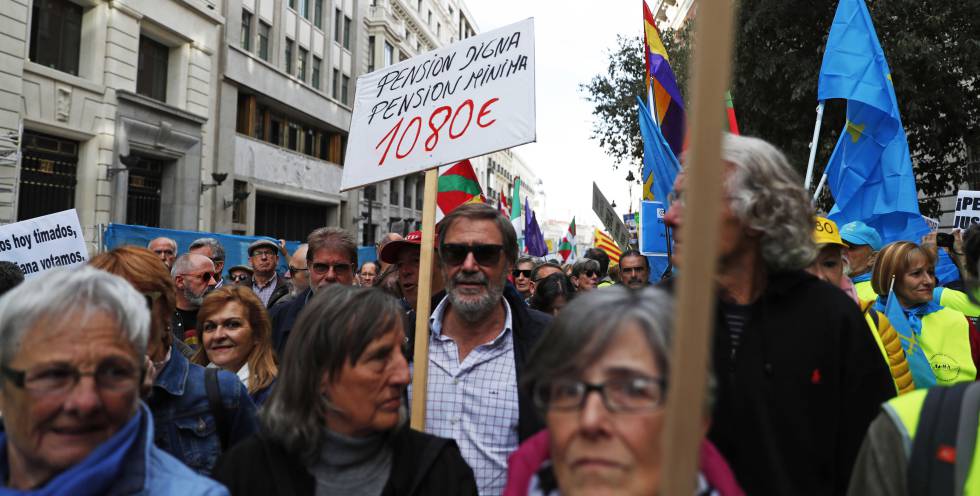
(572, 40)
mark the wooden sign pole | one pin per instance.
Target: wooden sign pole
(696, 287)
(420, 367)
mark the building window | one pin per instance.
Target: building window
(246, 30)
(393, 187)
(347, 30)
(344, 88)
(261, 117)
(238, 213)
(309, 141)
(275, 131)
(289, 56)
(438, 29)
(338, 25)
(301, 66)
(292, 4)
(419, 192)
(264, 40)
(316, 71)
(287, 219)
(318, 13)
(151, 75)
(336, 84)
(56, 34)
(419, 8)
(371, 44)
(292, 137)
(429, 21)
(48, 175)
(408, 194)
(389, 54)
(304, 8)
(324, 147)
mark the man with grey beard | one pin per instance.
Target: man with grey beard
(481, 335)
(194, 276)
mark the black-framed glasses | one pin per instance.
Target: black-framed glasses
(205, 276)
(628, 394)
(294, 270)
(456, 253)
(57, 379)
(518, 273)
(338, 268)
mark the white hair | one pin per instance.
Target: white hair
(63, 294)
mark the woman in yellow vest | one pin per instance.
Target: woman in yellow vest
(829, 266)
(949, 341)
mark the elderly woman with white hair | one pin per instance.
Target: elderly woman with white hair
(800, 378)
(71, 357)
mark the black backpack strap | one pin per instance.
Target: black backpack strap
(217, 406)
(966, 435)
(933, 460)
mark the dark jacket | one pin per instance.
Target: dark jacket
(794, 400)
(184, 424)
(529, 327)
(421, 464)
(284, 317)
(281, 290)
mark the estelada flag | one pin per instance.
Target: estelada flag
(605, 243)
(458, 185)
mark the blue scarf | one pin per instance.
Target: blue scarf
(861, 278)
(913, 314)
(93, 475)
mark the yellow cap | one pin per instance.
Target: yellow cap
(826, 232)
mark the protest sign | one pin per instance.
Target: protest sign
(932, 223)
(653, 234)
(967, 209)
(44, 243)
(609, 218)
(467, 99)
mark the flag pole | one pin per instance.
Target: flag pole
(823, 180)
(696, 284)
(420, 368)
(813, 146)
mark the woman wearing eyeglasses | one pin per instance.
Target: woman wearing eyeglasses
(599, 378)
(73, 346)
(235, 333)
(585, 274)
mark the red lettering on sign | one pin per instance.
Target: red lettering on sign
(437, 122)
(485, 110)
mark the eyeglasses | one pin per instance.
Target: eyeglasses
(590, 273)
(294, 270)
(263, 253)
(239, 277)
(518, 273)
(338, 268)
(57, 379)
(455, 254)
(629, 394)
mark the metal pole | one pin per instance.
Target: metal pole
(813, 147)
(823, 180)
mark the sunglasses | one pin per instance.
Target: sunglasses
(455, 254)
(239, 277)
(205, 276)
(294, 270)
(339, 268)
(518, 273)
(590, 273)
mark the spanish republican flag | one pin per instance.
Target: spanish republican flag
(457, 185)
(605, 243)
(667, 101)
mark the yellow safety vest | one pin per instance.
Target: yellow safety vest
(905, 410)
(864, 291)
(890, 346)
(945, 339)
(959, 301)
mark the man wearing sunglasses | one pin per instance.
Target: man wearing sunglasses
(481, 335)
(194, 276)
(268, 286)
(211, 248)
(522, 276)
(331, 258)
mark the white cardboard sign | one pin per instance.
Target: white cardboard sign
(967, 209)
(467, 99)
(44, 243)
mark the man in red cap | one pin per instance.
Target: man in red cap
(405, 254)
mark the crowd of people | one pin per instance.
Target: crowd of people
(837, 362)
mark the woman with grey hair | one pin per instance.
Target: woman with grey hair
(335, 424)
(71, 356)
(800, 377)
(615, 343)
(585, 274)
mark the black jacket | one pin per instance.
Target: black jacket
(421, 464)
(284, 317)
(529, 327)
(282, 289)
(794, 400)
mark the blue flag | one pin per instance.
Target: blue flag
(870, 172)
(660, 165)
(922, 372)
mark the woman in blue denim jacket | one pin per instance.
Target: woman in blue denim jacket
(184, 421)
